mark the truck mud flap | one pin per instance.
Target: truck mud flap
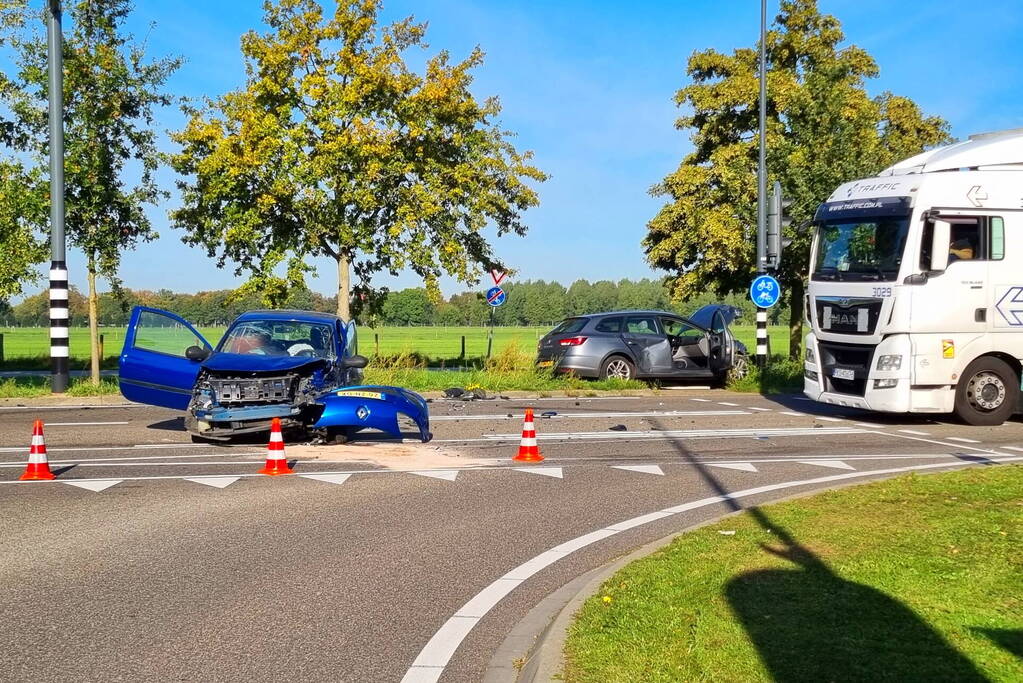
(374, 407)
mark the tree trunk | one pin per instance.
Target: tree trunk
(796, 320)
(344, 288)
(93, 325)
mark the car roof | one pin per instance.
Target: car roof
(631, 312)
(309, 316)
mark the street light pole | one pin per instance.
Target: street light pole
(59, 301)
(762, 187)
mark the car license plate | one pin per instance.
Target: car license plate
(545, 364)
(362, 394)
(843, 373)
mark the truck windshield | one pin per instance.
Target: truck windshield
(860, 249)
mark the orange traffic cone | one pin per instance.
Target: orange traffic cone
(275, 460)
(38, 467)
(528, 450)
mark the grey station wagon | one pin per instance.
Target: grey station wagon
(646, 344)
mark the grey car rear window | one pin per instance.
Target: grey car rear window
(570, 326)
(613, 325)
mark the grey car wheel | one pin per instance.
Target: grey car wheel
(740, 366)
(618, 367)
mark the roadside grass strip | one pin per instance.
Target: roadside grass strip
(914, 578)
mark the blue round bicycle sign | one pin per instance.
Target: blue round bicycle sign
(765, 291)
(496, 296)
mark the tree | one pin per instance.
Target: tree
(336, 148)
(823, 129)
(110, 94)
(408, 307)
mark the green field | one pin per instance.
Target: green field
(28, 347)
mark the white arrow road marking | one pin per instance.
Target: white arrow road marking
(215, 482)
(429, 665)
(837, 464)
(546, 471)
(742, 466)
(447, 475)
(643, 469)
(93, 484)
(329, 478)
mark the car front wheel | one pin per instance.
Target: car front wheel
(617, 367)
(987, 393)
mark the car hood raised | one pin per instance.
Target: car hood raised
(248, 362)
(705, 316)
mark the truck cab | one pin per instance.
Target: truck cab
(915, 298)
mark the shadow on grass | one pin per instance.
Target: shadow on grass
(810, 624)
(1010, 640)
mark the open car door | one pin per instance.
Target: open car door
(722, 342)
(153, 368)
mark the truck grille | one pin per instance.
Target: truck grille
(850, 357)
(253, 390)
(848, 315)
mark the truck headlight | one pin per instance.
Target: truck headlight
(885, 383)
(893, 362)
(811, 357)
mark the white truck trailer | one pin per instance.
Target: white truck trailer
(915, 299)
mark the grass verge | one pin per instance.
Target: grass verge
(781, 376)
(917, 578)
(33, 387)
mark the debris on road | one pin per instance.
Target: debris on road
(727, 533)
(549, 413)
(618, 428)
(454, 392)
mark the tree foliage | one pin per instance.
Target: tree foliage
(111, 92)
(336, 148)
(823, 129)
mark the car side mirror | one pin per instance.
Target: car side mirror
(355, 362)
(197, 353)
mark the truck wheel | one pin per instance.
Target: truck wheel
(987, 393)
(617, 367)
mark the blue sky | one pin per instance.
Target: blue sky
(588, 86)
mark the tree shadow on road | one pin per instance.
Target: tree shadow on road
(810, 624)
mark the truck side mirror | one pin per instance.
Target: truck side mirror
(939, 245)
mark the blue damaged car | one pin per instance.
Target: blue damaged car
(299, 366)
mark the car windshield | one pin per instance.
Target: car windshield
(279, 338)
(860, 249)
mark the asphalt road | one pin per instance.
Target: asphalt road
(154, 558)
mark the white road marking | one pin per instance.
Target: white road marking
(1013, 448)
(546, 471)
(98, 449)
(701, 400)
(837, 464)
(433, 658)
(960, 439)
(79, 407)
(643, 469)
(746, 433)
(654, 413)
(82, 424)
(913, 432)
(725, 403)
(792, 413)
(215, 482)
(760, 410)
(828, 419)
(447, 475)
(742, 466)
(328, 478)
(232, 454)
(92, 484)
(871, 425)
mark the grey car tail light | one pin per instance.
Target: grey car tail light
(571, 341)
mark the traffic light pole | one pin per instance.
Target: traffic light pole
(59, 303)
(762, 187)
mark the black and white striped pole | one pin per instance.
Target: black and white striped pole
(762, 187)
(60, 314)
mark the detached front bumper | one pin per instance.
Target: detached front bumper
(218, 422)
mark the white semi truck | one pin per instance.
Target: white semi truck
(915, 299)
